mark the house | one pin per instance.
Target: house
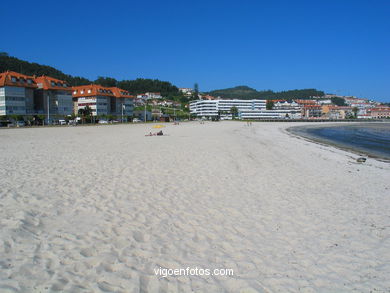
(186, 91)
(16, 93)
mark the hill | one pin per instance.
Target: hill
(247, 93)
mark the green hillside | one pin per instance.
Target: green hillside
(246, 93)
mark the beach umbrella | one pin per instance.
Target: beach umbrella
(158, 126)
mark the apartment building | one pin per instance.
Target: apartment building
(103, 100)
(336, 112)
(380, 112)
(214, 108)
(16, 93)
(311, 111)
(270, 114)
(124, 103)
(52, 97)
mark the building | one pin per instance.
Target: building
(380, 112)
(284, 105)
(186, 91)
(103, 100)
(270, 114)
(336, 112)
(124, 102)
(52, 97)
(16, 94)
(215, 108)
(311, 111)
(141, 115)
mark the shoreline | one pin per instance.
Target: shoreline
(301, 132)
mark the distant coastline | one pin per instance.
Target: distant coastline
(369, 139)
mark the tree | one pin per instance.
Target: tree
(234, 111)
(355, 110)
(196, 92)
(106, 81)
(85, 113)
(269, 105)
(338, 101)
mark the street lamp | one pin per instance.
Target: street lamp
(48, 109)
(123, 106)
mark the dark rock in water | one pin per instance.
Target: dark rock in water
(361, 160)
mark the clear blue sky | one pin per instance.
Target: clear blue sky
(341, 46)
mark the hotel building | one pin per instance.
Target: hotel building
(215, 108)
(16, 93)
(103, 100)
(53, 97)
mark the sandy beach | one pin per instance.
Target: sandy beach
(98, 209)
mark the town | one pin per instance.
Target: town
(44, 100)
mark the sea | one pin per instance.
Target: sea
(371, 139)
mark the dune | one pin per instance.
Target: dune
(103, 208)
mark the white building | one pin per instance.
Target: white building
(186, 91)
(269, 114)
(53, 96)
(16, 93)
(103, 100)
(214, 108)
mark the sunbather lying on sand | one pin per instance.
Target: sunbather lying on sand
(153, 134)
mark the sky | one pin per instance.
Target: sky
(340, 47)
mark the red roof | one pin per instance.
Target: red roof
(98, 90)
(11, 78)
(50, 83)
(312, 107)
(119, 93)
(310, 102)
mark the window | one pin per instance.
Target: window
(13, 79)
(89, 91)
(53, 83)
(74, 92)
(82, 92)
(29, 81)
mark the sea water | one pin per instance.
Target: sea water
(369, 138)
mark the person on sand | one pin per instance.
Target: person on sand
(160, 133)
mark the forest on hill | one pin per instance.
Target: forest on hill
(246, 93)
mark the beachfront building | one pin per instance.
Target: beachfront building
(336, 112)
(222, 108)
(270, 114)
(16, 93)
(285, 105)
(53, 97)
(103, 100)
(380, 112)
(124, 102)
(311, 111)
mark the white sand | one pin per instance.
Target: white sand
(90, 209)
